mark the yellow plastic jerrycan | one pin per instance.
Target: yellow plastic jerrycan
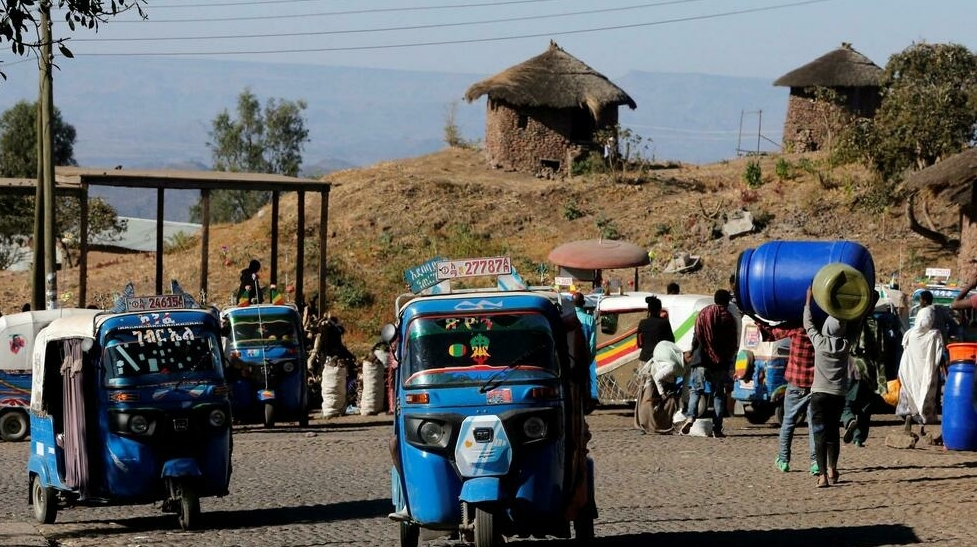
(842, 291)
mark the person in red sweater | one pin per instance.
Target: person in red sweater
(713, 350)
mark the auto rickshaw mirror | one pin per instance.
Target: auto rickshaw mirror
(388, 333)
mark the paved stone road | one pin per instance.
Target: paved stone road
(329, 485)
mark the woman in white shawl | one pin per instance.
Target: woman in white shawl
(659, 398)
(919, 370)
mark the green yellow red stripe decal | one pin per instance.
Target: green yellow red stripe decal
(618, 348)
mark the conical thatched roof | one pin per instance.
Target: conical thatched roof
(843, 67)
(554, 79)
(953, 177)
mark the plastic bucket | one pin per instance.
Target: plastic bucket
(962, 351)
(959, 418)
(771, 280)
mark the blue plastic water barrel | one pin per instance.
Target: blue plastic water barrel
(959, 417)
(771, 280)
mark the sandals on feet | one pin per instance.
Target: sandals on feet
(823, 481)
(833, 476)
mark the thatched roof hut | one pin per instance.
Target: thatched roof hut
(853, 76)
(952, 179)
(843, 67)
(545, 111)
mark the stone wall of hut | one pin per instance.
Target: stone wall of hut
(539, 140)
(812, 124)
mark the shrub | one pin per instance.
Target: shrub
(571, 211)
(784, 170)
(606, 228)
(180, 241)
(591, 163)
(452, 134)
(753, 175)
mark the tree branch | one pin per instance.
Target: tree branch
(944, 241)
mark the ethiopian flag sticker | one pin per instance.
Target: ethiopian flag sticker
(457, 350)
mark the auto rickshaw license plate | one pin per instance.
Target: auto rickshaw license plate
(498, 396)
(181, 424)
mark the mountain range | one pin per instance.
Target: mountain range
(156, 113)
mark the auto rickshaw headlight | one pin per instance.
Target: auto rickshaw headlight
(431, 432)
(534, 428)
(288, 367)
(138, 424)
(217, 418)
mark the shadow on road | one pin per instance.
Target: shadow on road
(850, 536)
(277, 516)
(355, 424)
(236, 520)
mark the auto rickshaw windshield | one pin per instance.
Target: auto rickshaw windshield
(252, 330)
(468, 348)
(140, 353)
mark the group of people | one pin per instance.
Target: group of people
(825, 385)
(704, 367)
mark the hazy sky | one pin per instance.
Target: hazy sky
(752, 38)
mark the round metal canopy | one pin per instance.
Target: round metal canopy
(599, 254)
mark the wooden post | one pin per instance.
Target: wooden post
(46, 140)
(204, 243)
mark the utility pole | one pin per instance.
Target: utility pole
(45, 140)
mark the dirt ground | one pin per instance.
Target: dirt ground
(329, 484)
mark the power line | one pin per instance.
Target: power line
(390, 29)
(461, 41)
(331, 13)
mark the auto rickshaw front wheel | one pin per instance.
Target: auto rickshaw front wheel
(410, 534)
(487, 533)
(187, 504)
(269, 415)
(44, 501)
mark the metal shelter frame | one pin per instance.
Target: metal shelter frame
(75, 181)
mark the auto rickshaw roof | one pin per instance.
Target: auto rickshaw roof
(483, 301)
(599, 254)
(256, 309)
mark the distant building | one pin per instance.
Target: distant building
(138, 237)
(543, 113)
(810, 122)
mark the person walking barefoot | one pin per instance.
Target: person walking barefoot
(831, 352)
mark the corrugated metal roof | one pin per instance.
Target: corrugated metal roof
(140, 234)
(185, 180)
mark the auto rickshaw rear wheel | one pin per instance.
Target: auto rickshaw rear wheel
(189, 511)
(410, 534)
(779, 413)
(14, 426)
(269, 415)
(44, 501)
(487, 533)
(758, 413)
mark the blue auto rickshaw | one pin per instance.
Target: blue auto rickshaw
(489, 432)
(759, 384)
(266, 364)
(130, 406)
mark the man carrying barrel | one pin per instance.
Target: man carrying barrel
(799, 375)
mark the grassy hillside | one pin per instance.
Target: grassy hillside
(393, 215)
